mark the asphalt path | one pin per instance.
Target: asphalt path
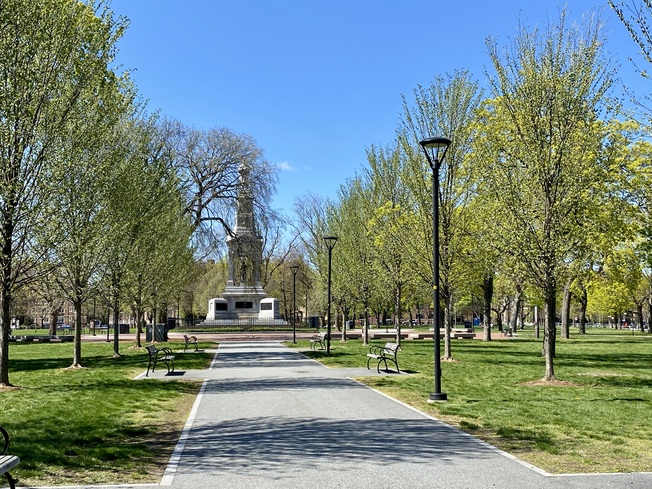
(269, 417)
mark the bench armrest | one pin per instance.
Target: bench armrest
(5, 442)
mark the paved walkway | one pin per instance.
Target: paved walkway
(268, 417)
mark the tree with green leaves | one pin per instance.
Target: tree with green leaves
(160, 260)
(390, 224)
(76, 209)
(542, 145)
(355, 265)
(445, 108)
(141, 188)
(52, 52)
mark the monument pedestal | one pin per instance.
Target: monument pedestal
(242, 302)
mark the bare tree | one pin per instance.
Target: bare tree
(208, 163)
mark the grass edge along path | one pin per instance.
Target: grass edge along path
(95, 425)
(596, 419)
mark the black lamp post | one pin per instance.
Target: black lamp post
(330, 243)
(295, 269)
(435, 150)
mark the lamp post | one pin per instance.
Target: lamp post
(435, 150)
(330, 243)
(295, 269)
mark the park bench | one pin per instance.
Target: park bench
(318, 340)
(383, 354)
(157, 355)
(463, 333)
(190, 341)
(7, 462)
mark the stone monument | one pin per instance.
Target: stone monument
(244, 297)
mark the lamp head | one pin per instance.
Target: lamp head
(435, 149)
(330, 241)
(295, 269)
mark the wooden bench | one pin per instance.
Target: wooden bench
(157, 355)
(319, 340)
(190, 341)
(7, 462)
(389, 352)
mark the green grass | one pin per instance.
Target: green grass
(94, 425)
(597, 419)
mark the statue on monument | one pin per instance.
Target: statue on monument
(244, 294)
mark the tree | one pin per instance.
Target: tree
(76, 207)
(447, 107)
(51, 53)
(548, 94)
(354, 267)
(141, 189)
(390, 224)
(208, 164)
(312, 226)
(160, 260)
(636, 16)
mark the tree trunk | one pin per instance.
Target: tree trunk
(499, 320)
(639, 313)
(140, 320)
(54, 318)
(76, 357)
(516, 320)
(550, 332)
(116, 326)
(584, 301)
(5, 331)
(565, 311)
(488, 292)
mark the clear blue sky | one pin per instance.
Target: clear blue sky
(316, 82)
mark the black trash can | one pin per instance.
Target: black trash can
(156, 333)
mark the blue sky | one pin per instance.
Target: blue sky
(316, 82)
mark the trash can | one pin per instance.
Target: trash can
(156, 333)
(314, 322)
(124, 328)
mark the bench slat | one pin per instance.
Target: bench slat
(8, 462)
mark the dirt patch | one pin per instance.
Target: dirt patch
(550, 383)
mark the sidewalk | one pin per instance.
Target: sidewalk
(268, 417)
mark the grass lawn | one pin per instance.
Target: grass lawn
(94, 425)
(597, 419)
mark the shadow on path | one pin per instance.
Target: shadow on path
(280, 444)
